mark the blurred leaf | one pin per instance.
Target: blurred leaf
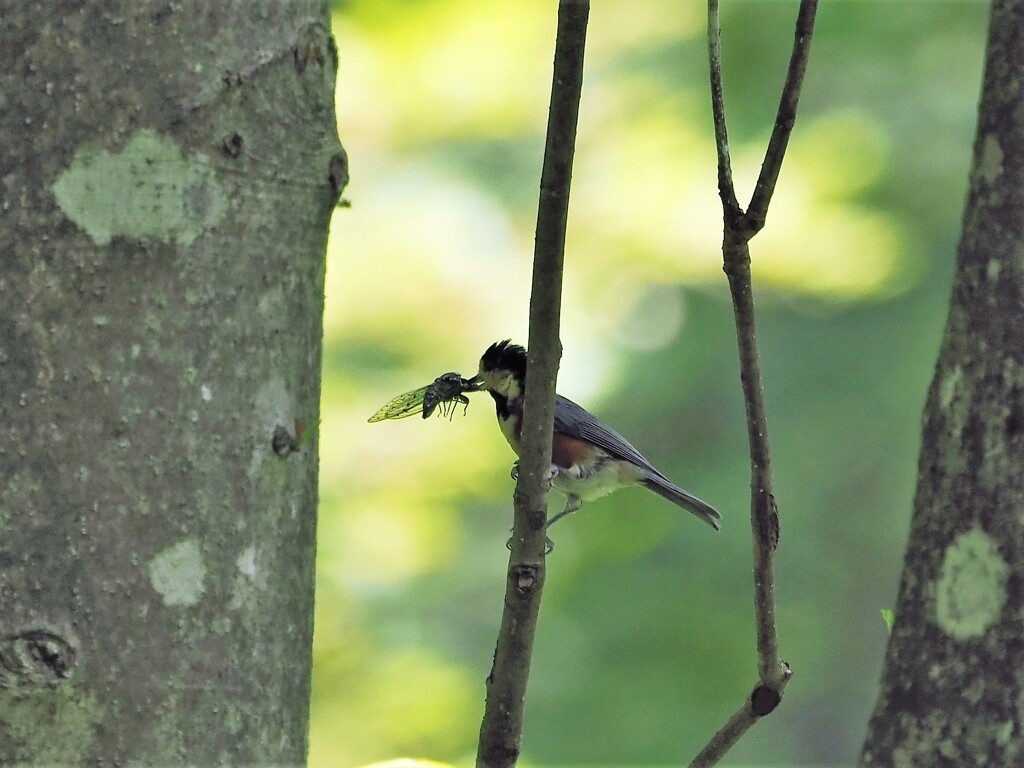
(887, 617)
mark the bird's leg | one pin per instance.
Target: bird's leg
(572, 503)
(571, 506)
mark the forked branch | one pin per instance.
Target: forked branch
(739, 227)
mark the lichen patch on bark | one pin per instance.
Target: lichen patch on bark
(949, 385)
(178, 572)
(971, 589)
(990, 165)
(148, 190)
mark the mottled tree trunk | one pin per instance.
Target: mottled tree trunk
(167, 174)
(953, 684)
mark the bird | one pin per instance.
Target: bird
(588, 458)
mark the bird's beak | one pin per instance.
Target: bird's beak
(474, 384)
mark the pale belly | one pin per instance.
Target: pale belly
(603, 478)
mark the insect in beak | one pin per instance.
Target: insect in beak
(443, 393)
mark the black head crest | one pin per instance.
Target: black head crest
(505, 356)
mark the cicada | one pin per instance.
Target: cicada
(445, 391)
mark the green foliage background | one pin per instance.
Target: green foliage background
(646, 637)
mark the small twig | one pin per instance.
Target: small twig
(726, 190)
(727, 735)
(784, 118)
(501, 730)
(739, 228)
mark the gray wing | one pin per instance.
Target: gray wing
(571, 419)
(576, 421)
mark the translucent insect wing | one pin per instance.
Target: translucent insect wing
(406, 404)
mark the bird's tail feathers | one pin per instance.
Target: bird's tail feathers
(684, 499)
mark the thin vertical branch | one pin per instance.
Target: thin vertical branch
(739, 228)
(764, 517)
(502, 726)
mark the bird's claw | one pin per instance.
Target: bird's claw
(552, 473)
(549, 545)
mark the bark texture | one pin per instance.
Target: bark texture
(953, 684)
(168, 173)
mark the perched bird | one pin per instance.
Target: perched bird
(588, 459)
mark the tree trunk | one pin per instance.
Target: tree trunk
(954, 672)
(167, 176)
